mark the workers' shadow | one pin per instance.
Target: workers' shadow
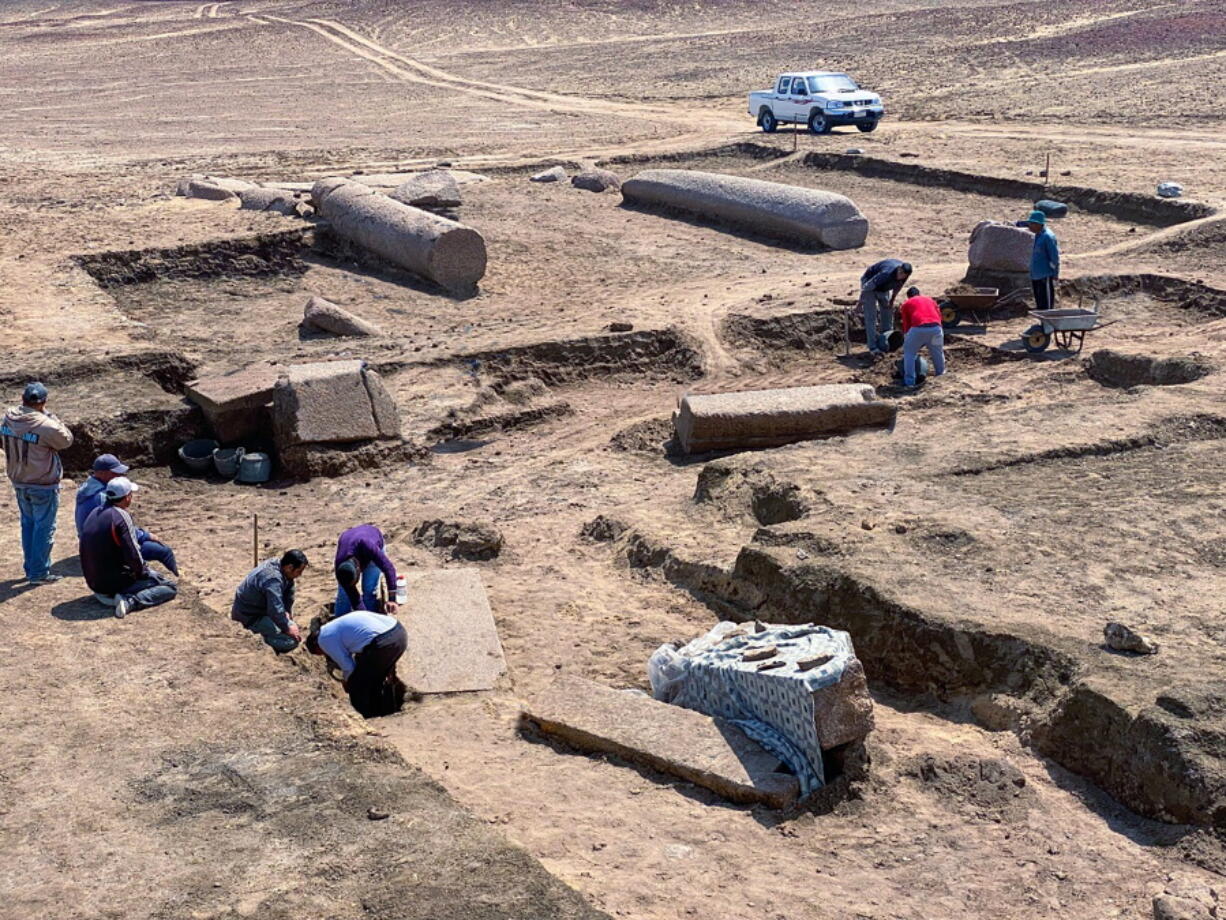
(14, 587)
(82, 608)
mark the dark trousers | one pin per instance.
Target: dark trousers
(373, 666)
(1044, 293)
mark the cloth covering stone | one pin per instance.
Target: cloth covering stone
(775, 707)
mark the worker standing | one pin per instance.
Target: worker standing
(879, 287)
(1044, 262)
(90, 495)
(921, 328)
(33, 438)
(360, 564)
(264, 601)
(365, 646)
(110, 557)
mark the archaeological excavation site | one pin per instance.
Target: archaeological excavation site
(465, 465)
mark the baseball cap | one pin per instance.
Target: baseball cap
(119, 487)
(34, 393)
(109, 463)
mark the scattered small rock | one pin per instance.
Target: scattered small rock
(553, 174)
(1169, 189)
(596, 180)
(909, 154)
(620, 327)
(375, 814)
(853, 151)
(602, 529)
(328, 317)
(866, 524)
(433, 189)
(1122, 639)
(1066, 172)
(900, 528)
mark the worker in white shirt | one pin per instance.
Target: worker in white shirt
(365, 646)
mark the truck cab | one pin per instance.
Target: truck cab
(821, 99)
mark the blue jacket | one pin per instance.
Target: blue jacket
(1045, 257)
(89, 497)
(882, 276)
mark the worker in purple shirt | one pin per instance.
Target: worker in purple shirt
(360, 563)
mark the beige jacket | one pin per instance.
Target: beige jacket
(32, 442)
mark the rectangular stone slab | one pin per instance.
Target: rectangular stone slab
(770, 418)
(248, 388)
(325, 402)
(708, 752)
(453, 641)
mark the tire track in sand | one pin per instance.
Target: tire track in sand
(414, 71)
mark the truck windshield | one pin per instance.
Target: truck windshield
(832, 83)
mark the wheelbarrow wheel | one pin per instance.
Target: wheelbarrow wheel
(1035, 339)
(951, 315)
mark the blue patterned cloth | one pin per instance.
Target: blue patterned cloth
(773, 706)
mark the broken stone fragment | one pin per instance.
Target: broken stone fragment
(1122, 639)
(760, 654)
(553, 174)
(328, 317)
(433, 189)
(596, 180)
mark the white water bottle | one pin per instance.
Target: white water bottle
(402, 590)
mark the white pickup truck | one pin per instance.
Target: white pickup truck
(821, 99)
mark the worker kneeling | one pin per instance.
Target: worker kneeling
(365, 646)
(111, 558)
(921, 327)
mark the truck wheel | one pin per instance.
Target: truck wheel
(766, 118)
(818, 124)
(867, 126)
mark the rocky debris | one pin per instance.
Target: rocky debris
(502, 407)
(596, 180)
(553, 174)
(1115, 369)
(425, 244)
(770, 418)
(238, 405)
(472, 540)
(706, 751)
(986, 785)
(328, 317)
(274, 200)
(1187, 898)
(738, 489)
(602, 529)
(304, 461)
(1001, 247)
(1119, 637)
(1169, 907)
(433, 189)
(804, 215)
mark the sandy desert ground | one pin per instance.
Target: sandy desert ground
(168, 766)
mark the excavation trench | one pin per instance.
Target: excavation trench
(1028, 681)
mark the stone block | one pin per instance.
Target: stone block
(702, 750)
(434, 188)
(383, 407)
(1000, 247)
(236, 405)
(453, 641)
(769, 418)
(323, 403)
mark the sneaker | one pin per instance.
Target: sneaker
(121, 606)
(48, 579)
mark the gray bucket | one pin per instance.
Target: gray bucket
(227, 459)
(255, 468)
(198, 455)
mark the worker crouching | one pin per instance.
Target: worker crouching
(365, 646)
(264, 601)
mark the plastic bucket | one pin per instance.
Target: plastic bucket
(227, 459)
(255, 468)
(198, 455)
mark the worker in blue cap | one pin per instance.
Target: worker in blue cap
(1044, 261)
(33, 439)
(90, 495)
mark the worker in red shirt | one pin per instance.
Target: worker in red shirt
(921, 328)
